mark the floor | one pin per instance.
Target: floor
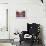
(5, 44)
(22, 44)
(27, 44)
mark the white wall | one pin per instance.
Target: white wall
(3, 1)
(35, 12)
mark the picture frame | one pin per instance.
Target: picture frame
(20, 14)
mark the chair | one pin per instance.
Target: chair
(33, 30)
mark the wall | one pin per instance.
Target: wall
(35, 12)
(3, 1)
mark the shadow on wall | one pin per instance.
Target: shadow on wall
(41, 34)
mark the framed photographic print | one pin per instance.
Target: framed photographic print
(20, 14)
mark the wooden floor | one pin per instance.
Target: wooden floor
(27, 44)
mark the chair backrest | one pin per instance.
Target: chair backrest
(33, 28)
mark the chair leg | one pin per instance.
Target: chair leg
(32, 42)
(20, 42)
